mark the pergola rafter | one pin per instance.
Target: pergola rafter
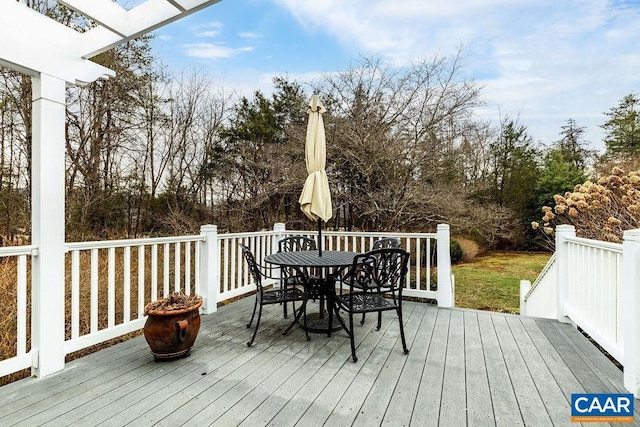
(117, 25)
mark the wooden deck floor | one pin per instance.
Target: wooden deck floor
(464, 368)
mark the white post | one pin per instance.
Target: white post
(279, 230)
(444, 292)
(525, 287)
(631, 314)
(47, 218)
(562, 267)
(210, 268)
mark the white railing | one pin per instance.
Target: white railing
(596, 286)
(108, 283)
(234, 273)
(15, 268)
(235, 280)
(540, 300)
(582, 283)
(112, 281)
(419, 245)
(594, 291)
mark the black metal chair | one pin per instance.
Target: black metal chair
(292, 276)
(375, 282)
(273, 296)
(388, 242)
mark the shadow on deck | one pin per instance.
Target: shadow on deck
(465, 368)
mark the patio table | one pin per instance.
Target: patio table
(316, 322)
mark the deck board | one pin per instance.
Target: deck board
(553, 399)
(385, 386)
(531, 406)
(453, 386)
(465, 367)
(427, 403)
(403, 400)
(479, 406)
(505, 404)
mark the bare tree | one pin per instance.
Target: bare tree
(404, 150)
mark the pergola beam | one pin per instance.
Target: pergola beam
(40, 44)
(31, 53)
(117, 25)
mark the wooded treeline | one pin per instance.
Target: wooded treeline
(153, 153)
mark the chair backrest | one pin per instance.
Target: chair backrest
(381, 270)
(296, 243)
(253, 265)
(389, 242)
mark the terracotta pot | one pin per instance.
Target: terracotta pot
(171, 334)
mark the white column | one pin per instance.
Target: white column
(279, 230)
(445, 291)
(562, 267)
(631, 313)
(210, 268)
(47, 200)
(525, 287)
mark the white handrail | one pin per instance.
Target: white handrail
(544, 273)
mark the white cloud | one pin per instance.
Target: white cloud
(212, 50)
(250, 35)
(548, 60)
(211, 29)
(209, 33)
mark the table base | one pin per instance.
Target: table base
(317, 324)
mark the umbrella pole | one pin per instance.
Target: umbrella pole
(319, 237)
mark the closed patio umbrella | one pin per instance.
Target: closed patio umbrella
(315, 200)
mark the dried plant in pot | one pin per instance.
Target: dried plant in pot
(172, 325)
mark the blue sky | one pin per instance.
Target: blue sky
(543, 61)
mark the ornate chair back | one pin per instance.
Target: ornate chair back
(296, 243)
(389, 242)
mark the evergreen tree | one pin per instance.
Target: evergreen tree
(264, 151)
(623, 128)
(572, 146)
(515, 172)
(557, 175)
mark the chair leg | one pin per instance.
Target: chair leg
(255, 305)
(404, 342)
(349, 331)
(351, 336)
(296, 319)
(302, 311)
(253, 337)
(330, 307)
(379, 320)
(304, 314)
(337, 311)
(283, 286)
(293, 306)
(362, 321)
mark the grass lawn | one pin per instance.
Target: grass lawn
(492, 282)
